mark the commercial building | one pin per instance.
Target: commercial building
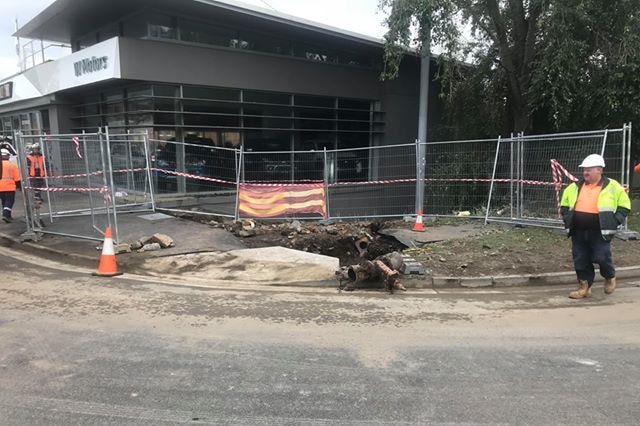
(211, 73)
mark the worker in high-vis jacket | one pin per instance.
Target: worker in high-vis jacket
(593, 209)
(9, 182)
(35, 164)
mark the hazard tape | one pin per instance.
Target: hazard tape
(188, 175)
(76, 140)
(392, 181)
(95, 173)
(103, 190)
(557, 171)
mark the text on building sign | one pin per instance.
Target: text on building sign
(90, 65)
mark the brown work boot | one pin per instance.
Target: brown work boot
(582, 292)
(609, 285)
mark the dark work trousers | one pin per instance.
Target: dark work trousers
(7, 198)
(37, 182)
(588, 248)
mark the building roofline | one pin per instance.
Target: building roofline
(31, 28)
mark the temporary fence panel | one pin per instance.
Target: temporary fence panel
(458, 177)
(75, 183)
(517, 179)
(129, 163)
(371, 182)
(531, 172)
(190, 177)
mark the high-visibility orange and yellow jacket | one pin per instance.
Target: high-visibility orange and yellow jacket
(36, 165)
(9, 176)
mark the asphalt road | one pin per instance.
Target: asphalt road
(79, 350)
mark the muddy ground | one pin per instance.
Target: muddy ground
(491, 250)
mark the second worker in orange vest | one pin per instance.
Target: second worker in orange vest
(35, 164)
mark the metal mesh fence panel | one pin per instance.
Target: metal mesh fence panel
(616, 157)
(129, 166)
(541, 201)
(372, 182)
(458, 177)
(192, 177)
(75, 183)
(526, 189)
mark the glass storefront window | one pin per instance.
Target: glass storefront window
(211, 120)
(140, 105)
(165, 118)
(115, 120)
(212, 93)
(257, 110)
(136, 91)
(314, 101)
(161, 26)
(314, 53)
(140, 119)
(265, 140)
(266, 97)
(266, 122)
(46, 126)
(263, 121)
(170, 105)
(265, 43)
(354, 104)
(166, 91)
(197, 32)
(210, 107)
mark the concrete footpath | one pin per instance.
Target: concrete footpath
(202, 250)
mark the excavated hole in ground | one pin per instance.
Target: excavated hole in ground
(338, 239)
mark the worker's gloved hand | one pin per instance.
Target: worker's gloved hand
(18, 185)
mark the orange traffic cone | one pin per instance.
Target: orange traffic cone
(419, 226)
(107, 266)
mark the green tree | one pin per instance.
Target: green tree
(505, 40)
(588, 69)
(531, 65)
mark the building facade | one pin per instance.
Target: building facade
(214, 74)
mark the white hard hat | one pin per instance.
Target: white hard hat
(593, 160)
(5, 151)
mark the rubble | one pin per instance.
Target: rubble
(384, 268)
(165, 241)
(123, 248)
(350, 241)
(150, 247)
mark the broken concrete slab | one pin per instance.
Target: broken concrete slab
(290, 256)
(164, 240)
(270, 265)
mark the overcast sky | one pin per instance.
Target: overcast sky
(360, 16)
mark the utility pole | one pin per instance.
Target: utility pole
(425, 63)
